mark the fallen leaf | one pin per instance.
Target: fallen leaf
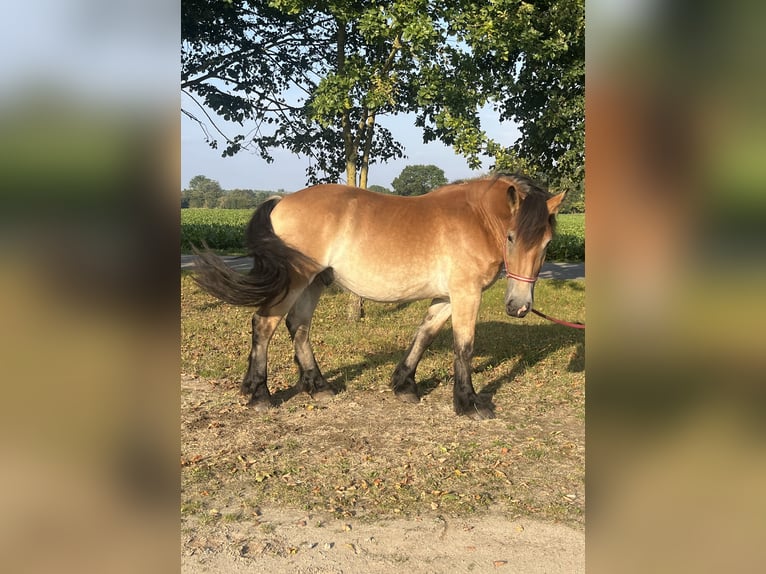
(499, 563)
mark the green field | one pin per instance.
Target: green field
(569, 242)
(224, 229)
(221, 229)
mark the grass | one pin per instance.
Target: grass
(365, 453)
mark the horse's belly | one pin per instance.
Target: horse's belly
(380, 286)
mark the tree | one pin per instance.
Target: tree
(379, 189)
(238, 199)
(418, 179)
(541, 71)
(315, 77)
(203, 192)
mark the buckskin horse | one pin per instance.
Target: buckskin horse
(447, 245)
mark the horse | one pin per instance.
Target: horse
(447, 246)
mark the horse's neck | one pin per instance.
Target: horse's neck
(492, 211)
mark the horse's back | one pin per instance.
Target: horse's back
(323, 218)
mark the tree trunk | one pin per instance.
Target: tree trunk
(369, 131)
(355, 308)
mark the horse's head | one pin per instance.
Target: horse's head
(533, 218)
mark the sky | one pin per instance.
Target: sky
(247, 170)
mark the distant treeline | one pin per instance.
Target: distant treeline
(226, 199)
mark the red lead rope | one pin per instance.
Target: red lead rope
(576, 325)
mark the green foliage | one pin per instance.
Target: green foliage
(568, 243)
(536, 51)
(219, 228)
(351, 62)
(379, 189)
(206, 192)
(238, 199)
(243, 198)
(202, 192)
(575, 199)
(418, 179)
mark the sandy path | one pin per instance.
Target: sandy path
(288, 541)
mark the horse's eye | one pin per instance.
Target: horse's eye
(510, 238)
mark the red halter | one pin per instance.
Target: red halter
(509, 275)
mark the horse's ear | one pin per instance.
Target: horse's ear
(554, 203)
(514, 197)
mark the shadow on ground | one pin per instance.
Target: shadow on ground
(495, 342)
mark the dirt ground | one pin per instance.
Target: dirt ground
(304, 543)
(366, 483)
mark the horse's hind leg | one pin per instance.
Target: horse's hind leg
(264, 322)
(403, 379)
(254, 383)
(298, 323)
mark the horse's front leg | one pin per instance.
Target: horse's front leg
(403, 379)
(464, 398)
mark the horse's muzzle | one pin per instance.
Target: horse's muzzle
(517, 311)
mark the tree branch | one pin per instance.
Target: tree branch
(204, 111)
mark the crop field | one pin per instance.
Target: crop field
(221, 229)
(569, 242)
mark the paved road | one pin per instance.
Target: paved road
(551, 269)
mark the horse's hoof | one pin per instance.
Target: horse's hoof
(475, 411)
(480, 413)
(407, 397)
(323, 395)
(261, 406)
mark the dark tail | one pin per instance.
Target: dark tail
(273, 261)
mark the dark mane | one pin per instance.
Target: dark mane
(532, 219)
